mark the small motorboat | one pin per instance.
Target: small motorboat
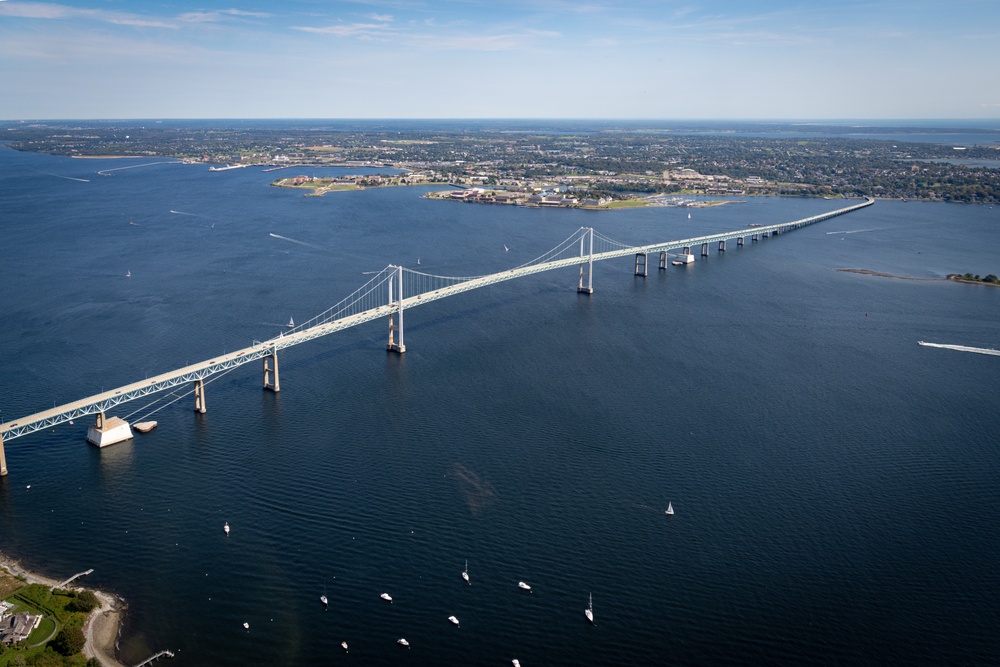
(246, 625)
(386, 597)
(465, 572)
(403, 642)
(322, 598)
(515, 663)
(453, 620)
(225, 527)
(343, 645)
(523, 585)
(670, 508)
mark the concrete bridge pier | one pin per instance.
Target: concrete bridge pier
(271, 371)
(722, 246)
(663, 260)
(704, 249)
(753, 238)
(641, 259)
(739, 241)
(199, 397)
(3, 459)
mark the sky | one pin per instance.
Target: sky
(615, 59)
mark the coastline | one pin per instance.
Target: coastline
(102, 625)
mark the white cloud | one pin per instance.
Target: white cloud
(219, 15)
(51, 11)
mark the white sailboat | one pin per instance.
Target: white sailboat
(343, 645)
(225, 527)
(589, 611)
(670, 508)
(515, 662)
(523, 585)
(465, 573)
(291, 323)
(689, 216)
(403, 642)
(322, 598)
(386, 597)
(128, 274)
(453, 620)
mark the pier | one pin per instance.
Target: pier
(386, 296)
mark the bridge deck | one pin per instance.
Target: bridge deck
(106, 400)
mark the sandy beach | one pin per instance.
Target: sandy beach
(103, 623)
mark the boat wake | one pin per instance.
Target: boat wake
(285, 238)
(851, 231)
(186, 213)
(962, 348)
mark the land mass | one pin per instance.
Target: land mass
(606, 159)
(961, 278)
(29, 592)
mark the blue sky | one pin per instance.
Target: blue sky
(479, 59)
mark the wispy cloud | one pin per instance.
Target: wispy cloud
(220, 15)
(51, 11)
(364, 30)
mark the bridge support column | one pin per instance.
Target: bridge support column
(392, 345)
(663, 260)
(199, 397)
(641, 259)
(589, 287)
(100, 421)
(722, 246)
(704, 250)
(271, 367)
(686, 250)
(3, 459)
(753, 238)
(739, 241)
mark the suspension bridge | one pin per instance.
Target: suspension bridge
(387, 294)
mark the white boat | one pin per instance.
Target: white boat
(523, 585)
(515, 663)
(403, 642)
(681, 259)
(343, 645)
(453, 620)
(589, 611)
(670, 508)
(322, 598)
(246, 625)
(225, 527)
(505, 248)
(465, 572)
(128, 274)
(689, 216)
(291, 323)
(386, 597)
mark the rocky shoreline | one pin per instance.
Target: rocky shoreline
(103, 624)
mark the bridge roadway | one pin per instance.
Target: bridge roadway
(104, 401)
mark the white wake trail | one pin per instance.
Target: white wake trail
(962, 348)
(285, 238)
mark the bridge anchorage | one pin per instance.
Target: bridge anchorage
(386, 294)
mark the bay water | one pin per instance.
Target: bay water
(835, 483)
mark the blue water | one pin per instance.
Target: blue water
(834, 483)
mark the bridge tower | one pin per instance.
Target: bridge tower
(199, 397)
(393, 346)
(3, 458)
(589, 287)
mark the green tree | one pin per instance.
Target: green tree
(84, 601)
(68, 641)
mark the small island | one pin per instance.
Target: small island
(975, 279)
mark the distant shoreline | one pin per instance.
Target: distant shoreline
(102, 625)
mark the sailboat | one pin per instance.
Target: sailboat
(453, 619)
(386, 597)
(689, 216)
(670, 508)
(225, 527)
(291, 323)
(128, 274)
(523, 585)
(589, 611)
(465, 573)
(343, 645)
